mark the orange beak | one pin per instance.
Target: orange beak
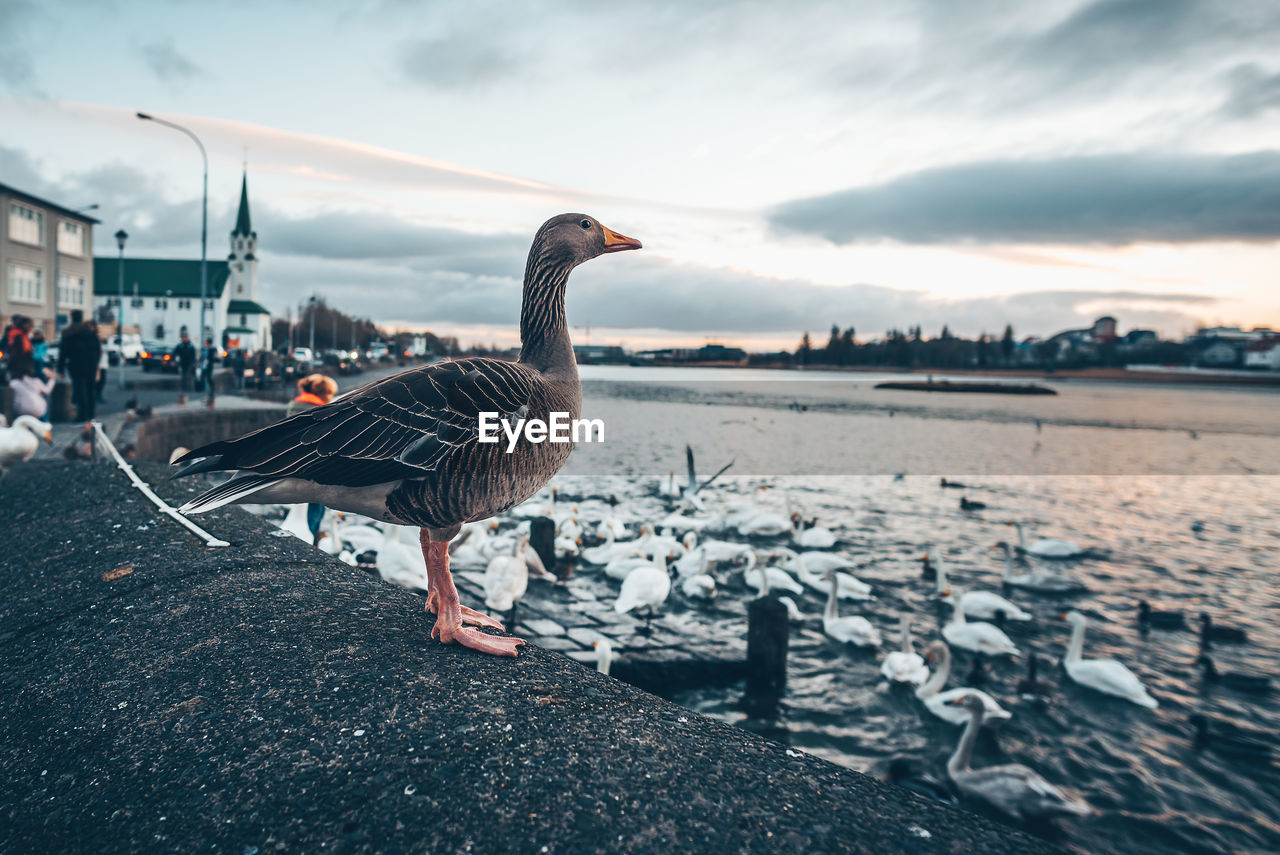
(614, 242)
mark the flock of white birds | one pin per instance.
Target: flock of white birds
(653, 543)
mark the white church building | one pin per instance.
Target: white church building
(162, 295)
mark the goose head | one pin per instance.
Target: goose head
(35, 426)
(571, 239)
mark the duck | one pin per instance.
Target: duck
(1148, 618)
(1044, 581)
(1239, 746)
(1210, 632)
(407, 449)
(980, 637)
(905, 665)
(20, 441)
(1012, 788)
(1046, 547)
(853, 629)
(938, 701)
(979, 604)
(954, 485)
(1108, 676)
(1255, 683)
(903, 773)
(967, 504)
(927, 570)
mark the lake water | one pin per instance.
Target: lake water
(1124, 469)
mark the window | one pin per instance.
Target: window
(137, 302)
(70, 238)
(70, 290)
(208, 304)
(26, 284)
(26, 225)
(184, 304)
(244, 321)
(162, 304)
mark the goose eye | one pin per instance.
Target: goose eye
(586, 224)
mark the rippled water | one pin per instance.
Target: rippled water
(1094, 472)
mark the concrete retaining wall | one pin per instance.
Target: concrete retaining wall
(158, 436)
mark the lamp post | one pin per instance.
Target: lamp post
(313, 326)
(121, 237)
(204, 217)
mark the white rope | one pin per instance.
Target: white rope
(101, 439)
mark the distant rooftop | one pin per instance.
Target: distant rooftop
(45, 203)
(158, 277)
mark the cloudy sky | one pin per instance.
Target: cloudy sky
(788, 166)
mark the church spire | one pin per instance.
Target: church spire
(242, 220)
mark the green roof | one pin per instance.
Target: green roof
(240, 330)
(242, 219)
(158, 277)
(246, 307)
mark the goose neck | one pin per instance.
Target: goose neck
(544, 333)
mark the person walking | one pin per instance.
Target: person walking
(185, 354)
(262, 369)
(314, 390)
(238, 363)
(78, 355)
(208, 359)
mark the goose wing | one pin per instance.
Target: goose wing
(395, 428)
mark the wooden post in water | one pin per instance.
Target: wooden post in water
(767, 637)
(542, 537)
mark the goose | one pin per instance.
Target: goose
(1210, 632)
(1148, 618)
(980, 637)
(1012, 788)
(1046, 547)
(978, 604)
(1104, 675)
(1240, 746)
(406, 449)
(646, 587)
(938, 702)
(854, 629)
(604, 655)
(19, 442)
(905, 665)
(1044, 581)
(902, 772)
(506, 579)
(399, 563)
(1256, 683)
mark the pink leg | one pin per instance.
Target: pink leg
(442, 598)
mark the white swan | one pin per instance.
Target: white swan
(767, 524)
(1017, 790)
(793, 611)
(1045, 581)
(980, 637)
(978, 604)
(853, 629)
(1046, 547)
(816, 537)
(647, 586)
(295, 522)
(697, 584)
(400, 563)
(905, 665)
(1103, 675)
(361, 537)
(19, 442)
(938, 702)
(506, 579)
(767, 578)
(604, 655)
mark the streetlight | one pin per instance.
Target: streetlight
(204, 216)
(313, 326)
(121, 237)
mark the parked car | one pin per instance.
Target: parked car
(305, 357)
(379, 352)
(156, 356)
